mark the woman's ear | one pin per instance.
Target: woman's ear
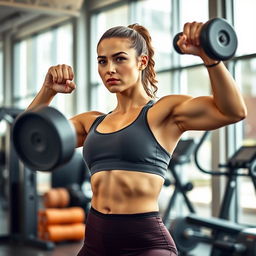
(143, 62)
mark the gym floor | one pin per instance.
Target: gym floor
(69, 249)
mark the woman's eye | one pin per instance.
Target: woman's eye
(119, 59)
(101, 61)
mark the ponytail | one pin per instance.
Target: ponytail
(148, 74)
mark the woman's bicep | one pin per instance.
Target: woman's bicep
(200, 113)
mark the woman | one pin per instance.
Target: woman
(128, 149)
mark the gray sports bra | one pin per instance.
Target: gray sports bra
(132, 148)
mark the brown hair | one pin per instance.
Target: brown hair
(141, 42)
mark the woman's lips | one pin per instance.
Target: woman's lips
(113, 81)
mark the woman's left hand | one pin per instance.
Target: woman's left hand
(189, 41)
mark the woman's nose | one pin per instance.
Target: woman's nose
(111, 68)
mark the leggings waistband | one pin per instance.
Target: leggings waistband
(123, 216)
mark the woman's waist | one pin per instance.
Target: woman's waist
(124, 205)
(126, 221)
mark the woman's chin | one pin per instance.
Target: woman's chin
(114, 89)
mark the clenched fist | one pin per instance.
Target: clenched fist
(60, 79)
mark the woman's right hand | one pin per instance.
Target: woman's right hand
(59, 79)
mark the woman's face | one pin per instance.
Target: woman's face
(118, 65)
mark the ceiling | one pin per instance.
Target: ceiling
(15, 13)
(6, 12)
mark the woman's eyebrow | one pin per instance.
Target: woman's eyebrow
(114, 55)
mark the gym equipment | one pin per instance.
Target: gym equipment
(77, 184)
(241, 163)
(69, 215)
(218, 39)
(78, 197)
(22, 201)
(74, 232)
(70, 196)
(67, 232)
(227, 238)
(64, 224)
(181, 155)
(236, 241)
(80, 172)
(56, 198)
(43, 138)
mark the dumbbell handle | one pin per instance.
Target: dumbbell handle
(176, 39)
(217, 38)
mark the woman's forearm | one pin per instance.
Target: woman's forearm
(226, 94)
(44, 97)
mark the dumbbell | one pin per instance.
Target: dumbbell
(43, 138)
(217, 38)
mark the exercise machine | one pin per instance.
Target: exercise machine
(226, 237)
(181, 155)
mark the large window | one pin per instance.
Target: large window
(33, 57)
(195, 82)
(244, 18)
(156, 17)
(196, 10)
(245, 70)
(245, 75)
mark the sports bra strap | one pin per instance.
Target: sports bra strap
(97, 121)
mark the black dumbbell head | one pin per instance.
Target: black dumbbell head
(218, 39)
(175, 40)
(43, 138)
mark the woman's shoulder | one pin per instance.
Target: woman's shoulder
(163, 110)
(86, 119)
(88, 115)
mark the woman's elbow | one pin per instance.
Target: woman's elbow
(240, 115)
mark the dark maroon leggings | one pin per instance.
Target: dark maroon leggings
(142, 234)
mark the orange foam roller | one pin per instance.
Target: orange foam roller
(58, 197)
(63, 216)
(40, 232)
(57, 233)
(40, 217)
(40, 228)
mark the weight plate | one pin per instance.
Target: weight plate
(177, 230)
(219, 39)
(43, 138)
